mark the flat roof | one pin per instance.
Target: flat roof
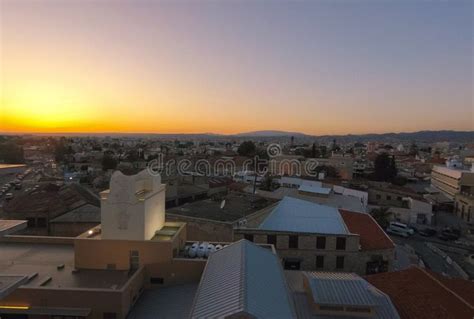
(169, 302)
(28, 259)
(297, 215)
(235, 207)
(8, 283)
(309, 188)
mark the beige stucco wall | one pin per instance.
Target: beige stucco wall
(98, 300)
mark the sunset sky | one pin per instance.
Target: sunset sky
(319, 67)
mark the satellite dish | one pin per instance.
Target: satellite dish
(223, 204)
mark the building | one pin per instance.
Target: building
(420, 294)
(11, 169)
(413, 211)
(243, 280)
(214, 219)
(44, 204)
(452, 179)
(310, 236)
(101, 273)
(322, 295)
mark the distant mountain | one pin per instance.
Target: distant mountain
(269, 134)
(421, 136)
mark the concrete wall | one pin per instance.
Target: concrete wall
(101, 253)
(70, 229)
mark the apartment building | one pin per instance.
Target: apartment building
(310, 236)
(452, 179)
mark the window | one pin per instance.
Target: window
(156, 280)
(389, 197)
(321, 242)
(340, 262)
(41, 222)
(399, 198)
(111, 266)
(331, 308)
(293, 242)
(319, 262)
(272, 239)
(249, 237)
(341, 243)
(378, 196)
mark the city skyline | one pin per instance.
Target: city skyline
(182, 67)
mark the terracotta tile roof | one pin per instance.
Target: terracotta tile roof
(463, 288)
(372, 236)
(418, 294)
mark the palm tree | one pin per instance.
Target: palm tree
(381, 215)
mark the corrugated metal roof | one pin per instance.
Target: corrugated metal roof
(349, 290)
(382, 305)
(297, 215)
(339, 289)
(243, 278)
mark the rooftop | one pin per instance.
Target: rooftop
(419, 294)
(52, 265)
(372, 236)
(86, 213)
(235, 207)
(296, 215)
(170, 302)
(52, 200)
(242, 278)
(342, 289)
(314, 187)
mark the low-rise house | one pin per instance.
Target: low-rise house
(309, 236)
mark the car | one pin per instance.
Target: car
(8, 196)
(449, 234)
(400, 228)
(427, 232)
(397, 232)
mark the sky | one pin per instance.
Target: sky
(318, 67)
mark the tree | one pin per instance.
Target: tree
(10, 152)
(313, 151)
(381, 216)
(267, 183)
(247, 148)
(413, 149)
(384, 167)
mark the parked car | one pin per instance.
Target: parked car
(8, 196)
(400, 228)
(427, 232)
(450, 234)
